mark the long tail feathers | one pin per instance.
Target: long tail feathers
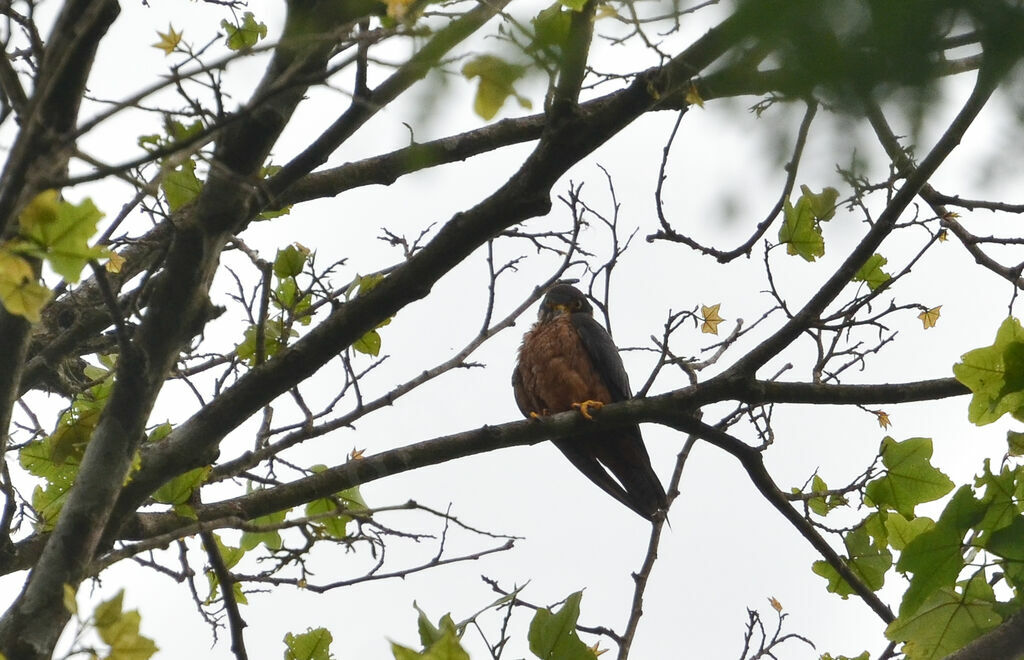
(622, 453)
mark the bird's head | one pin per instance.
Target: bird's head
(563, 299)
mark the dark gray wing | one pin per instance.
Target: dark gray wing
(603, 355)
(619, 451)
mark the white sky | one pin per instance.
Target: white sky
(727, 550)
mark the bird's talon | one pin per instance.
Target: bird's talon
(585, 406)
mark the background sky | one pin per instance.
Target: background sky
(726, 550)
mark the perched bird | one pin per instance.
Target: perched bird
(568, 360)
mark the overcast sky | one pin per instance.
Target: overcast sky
(726, 550)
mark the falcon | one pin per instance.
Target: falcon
(568, 361)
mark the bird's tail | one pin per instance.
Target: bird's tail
(620, 454)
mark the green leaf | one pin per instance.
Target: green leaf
(368, 344)
(553, 634)
(995, 375)
(124, 639)
(1008, 542)
(20, 291)
(271, 539)
(868, 560)
(900, 531)
(496, 83)
(274, 334)
(800, 231)
(551, 26)
(430, 634)
(446, 648)
(910, 478)
(179, 489)
(1000, 499)
(824, 503)
(871, 272)
(290, 260)
(60, 231)
(935, 557)
(1015, 442)
(801, 224)
(336, 526)
(181, 185)
(947, 621)
(109, 611)
(246, 34)
(823, 204)
(314, 644)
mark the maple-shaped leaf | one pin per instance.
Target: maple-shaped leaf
(936, 556)
(883, 419)
(1015, 443)
(871, 272)
(995, 375)
(314, 644)
(181, 185)
(900, 531)
(446, 648)
(496, 83)
(114, 262)
(910, 479)
(59, 231)
(290, 260)
(947, 621)
(800, 231)
(867, 559)
(245, 34)
(710, 319)
(20, 292)
(168, 40)
(551, 26)
(120, 630)
(930, 317)
(553, 634)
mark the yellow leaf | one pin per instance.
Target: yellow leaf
(114, 263)
(69, 599)
(168, 40)
(20, 293)
(930, 317)
(597, 651)
(943, 236)
(776, 605)
(397, 8)
(710, 319)
(357, 454)
(883, 418)
(693, 97)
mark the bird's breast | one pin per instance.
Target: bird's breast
(555, 368)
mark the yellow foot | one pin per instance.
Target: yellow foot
(586, 406)
(536, 415)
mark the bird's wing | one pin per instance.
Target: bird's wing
(523, 400)
(603, 355)
(579, 451)
(622, 450)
